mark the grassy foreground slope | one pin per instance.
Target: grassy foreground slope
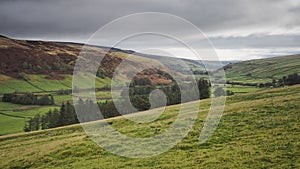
(262, 70)
(257, 130)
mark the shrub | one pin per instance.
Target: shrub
(219, 92)
(23, 76)
(229, 92)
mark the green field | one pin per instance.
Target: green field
(242, 89)
(257, 130)
(14, 116)
(39, 83)
(263, 70)
(12, 120)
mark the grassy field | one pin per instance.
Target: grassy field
(263, 70)
(242, 89)
(12, 120)
(14, 116)
(257, 130)
(9, 84)
(38, 83)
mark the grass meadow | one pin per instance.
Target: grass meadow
(257, 130)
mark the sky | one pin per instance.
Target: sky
(238, 29)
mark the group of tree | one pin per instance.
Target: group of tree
(219, 91)
(28, 98)
(144, 81)
(200, 72)
(139, 92)
(204, 88)
(87, 110)
(64, 92)
(241, 83)
(53, 118)
(289, 80)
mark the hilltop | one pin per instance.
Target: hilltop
(257, 130)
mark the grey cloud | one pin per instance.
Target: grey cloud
(229, 23)
(270, 41)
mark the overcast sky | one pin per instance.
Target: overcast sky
(239, 29)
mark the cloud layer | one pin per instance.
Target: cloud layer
(240, 26)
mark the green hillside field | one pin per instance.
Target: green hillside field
(263, 70)
(14, 116)
(257, 130)
(39, 83)
(13, 120)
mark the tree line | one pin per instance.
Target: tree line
(66, 115)
(28, 98)
(289, 80)
(139, 97)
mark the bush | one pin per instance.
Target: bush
(52, 74)
(25, 65)
(37, 68)
(141, 81)
(204, 88)
(219, 92)
(23, 76)
(229, 92)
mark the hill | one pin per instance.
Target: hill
(42, 67)
(257, 130)
(39, 66)
(263, 70)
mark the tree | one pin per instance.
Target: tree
(141, 81)
(62, 117)
(52, 102)
(70, 115)
(31, 125)
(27, 127)
(293, 79)
(281, 83)
(23, 76)
(36, 122)
(229, 92)
(219, 92)
(204, 88)
(54, 119)
(274, 83)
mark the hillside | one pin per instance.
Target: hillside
(26, 66)
(42, 67)
(263, 70)
(257, 130)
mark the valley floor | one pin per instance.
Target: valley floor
(257, 130)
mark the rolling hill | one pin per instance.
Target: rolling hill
(39, 66)
(263, 70)
(257, 130)
(47, 67)
(46, 61)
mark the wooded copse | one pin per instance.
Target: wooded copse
(28, 98)
(289, 80)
